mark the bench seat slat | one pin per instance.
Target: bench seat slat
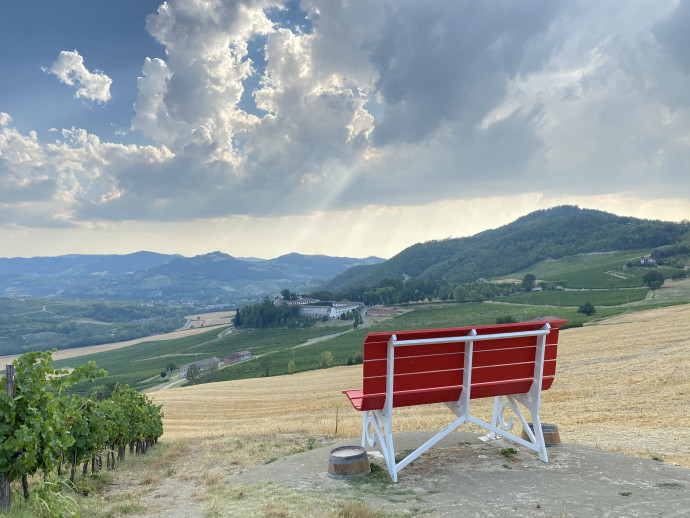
(378, 350)
(442, 394)
(454, 360)
(431, 380)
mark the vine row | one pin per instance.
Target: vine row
(43, 427)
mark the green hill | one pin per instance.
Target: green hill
(546, 234)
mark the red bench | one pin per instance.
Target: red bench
(511, 362)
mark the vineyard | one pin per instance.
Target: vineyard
(44, 429)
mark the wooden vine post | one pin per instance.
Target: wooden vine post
(5, 479)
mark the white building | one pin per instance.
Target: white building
(340, 308)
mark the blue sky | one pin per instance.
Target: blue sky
(260, 128)
(109, 35)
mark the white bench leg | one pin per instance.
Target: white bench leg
(364, 428)
(495, 417)
(382, 427)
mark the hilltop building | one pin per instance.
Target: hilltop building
(335, 311)
(233, 358)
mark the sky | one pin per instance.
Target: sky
(353, 128)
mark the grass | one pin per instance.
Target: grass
(590, 270)
(206, 464)
(271, 501)
(57, 498)
(577, 298)
(508, 452)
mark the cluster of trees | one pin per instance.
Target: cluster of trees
(196, 376)
(653, 279)
(664, 252)
(109, 312)
(386, 292)
(267, 315)
(42, 426)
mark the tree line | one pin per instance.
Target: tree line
(265, 314)
(390, 291)
(385, 292)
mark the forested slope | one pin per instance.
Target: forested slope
(553, 233)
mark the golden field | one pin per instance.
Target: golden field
(621, 385)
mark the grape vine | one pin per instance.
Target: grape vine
(42, 426)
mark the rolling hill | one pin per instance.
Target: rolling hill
(544, 234)
(216, 277)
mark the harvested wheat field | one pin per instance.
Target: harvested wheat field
(622, 385)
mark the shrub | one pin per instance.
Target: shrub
(587, 309)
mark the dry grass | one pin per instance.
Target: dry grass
(222, 318)
(622, 386)
(272, 501)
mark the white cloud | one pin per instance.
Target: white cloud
(392, 103)
(69, 69)
(51, 183)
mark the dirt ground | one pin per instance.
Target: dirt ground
(466, 476)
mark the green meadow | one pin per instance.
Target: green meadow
(597, 270)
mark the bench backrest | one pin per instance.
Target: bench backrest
(433, 372)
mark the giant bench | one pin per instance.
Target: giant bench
(512, 363)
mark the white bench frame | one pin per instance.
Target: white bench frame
(382, 420)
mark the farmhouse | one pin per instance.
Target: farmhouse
(233, 358)
(381, 311)
(202, 364)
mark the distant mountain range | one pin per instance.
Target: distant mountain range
(553, 233)
(218, 278)
(214, 278)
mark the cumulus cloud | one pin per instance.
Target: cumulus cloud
(49, 183)
(375, 103)
(69, 69)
